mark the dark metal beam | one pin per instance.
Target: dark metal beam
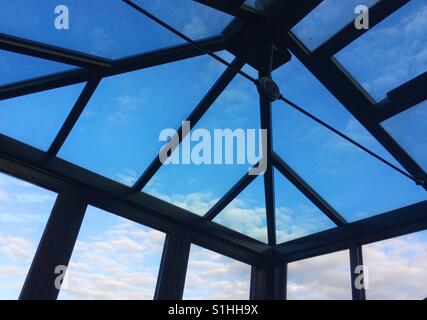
(145, 60)
(266, 124)
(269, 281)
(402, 98)
(352, 96)
(229, 196)
(173, 268)
(29, 164)
(73, 116)
(55, 247)
(307, 190)
(193, 118)
(388, 225)
(44, 51)
(356, 262)
(349, 33)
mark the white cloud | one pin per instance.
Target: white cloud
(320, 278)
(397, 268)
(120, 263)
(211, 276)
(17, 249)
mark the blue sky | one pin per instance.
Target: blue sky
(117, 136)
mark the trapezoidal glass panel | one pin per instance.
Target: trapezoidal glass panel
(409, 129)
(113, 259)
(391, 53)
(35, 119)
(16, 67)
(220, 149)
(397, 268)
(296, 216)
(24, 212)
(324, 277)
(211, 276)
(107, 28)
(354, 183)
(246, 213)
(118, 134)
(324, 21)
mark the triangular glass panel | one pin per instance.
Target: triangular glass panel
(296, 216)
(197, 187)
(118, 134)
(353, 182)
(35, 119)
(246, 213)
(16, 67)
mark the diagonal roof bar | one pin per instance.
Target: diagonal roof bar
(73, 116)
(354, 98)
(44, 51)
(241, 185)
(233, 7)
(377, 13)
(137, 62)
(200, 47)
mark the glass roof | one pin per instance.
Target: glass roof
(109, 28)
(391, 53)
(326, 20)
(117, 134)
(334, 167)
(125, 116)
(199, 186)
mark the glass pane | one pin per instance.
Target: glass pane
(18, 67)
(354, 183)
(325, 277)
(211, 276)
(397, 268)
(197, 185)
(127, 113)
(24, 211)
(246, 213)
(409, 128)
(326, 20)
(391, 53)
(296, 216)
(113, 259)
(35, 119)
(108, 28)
